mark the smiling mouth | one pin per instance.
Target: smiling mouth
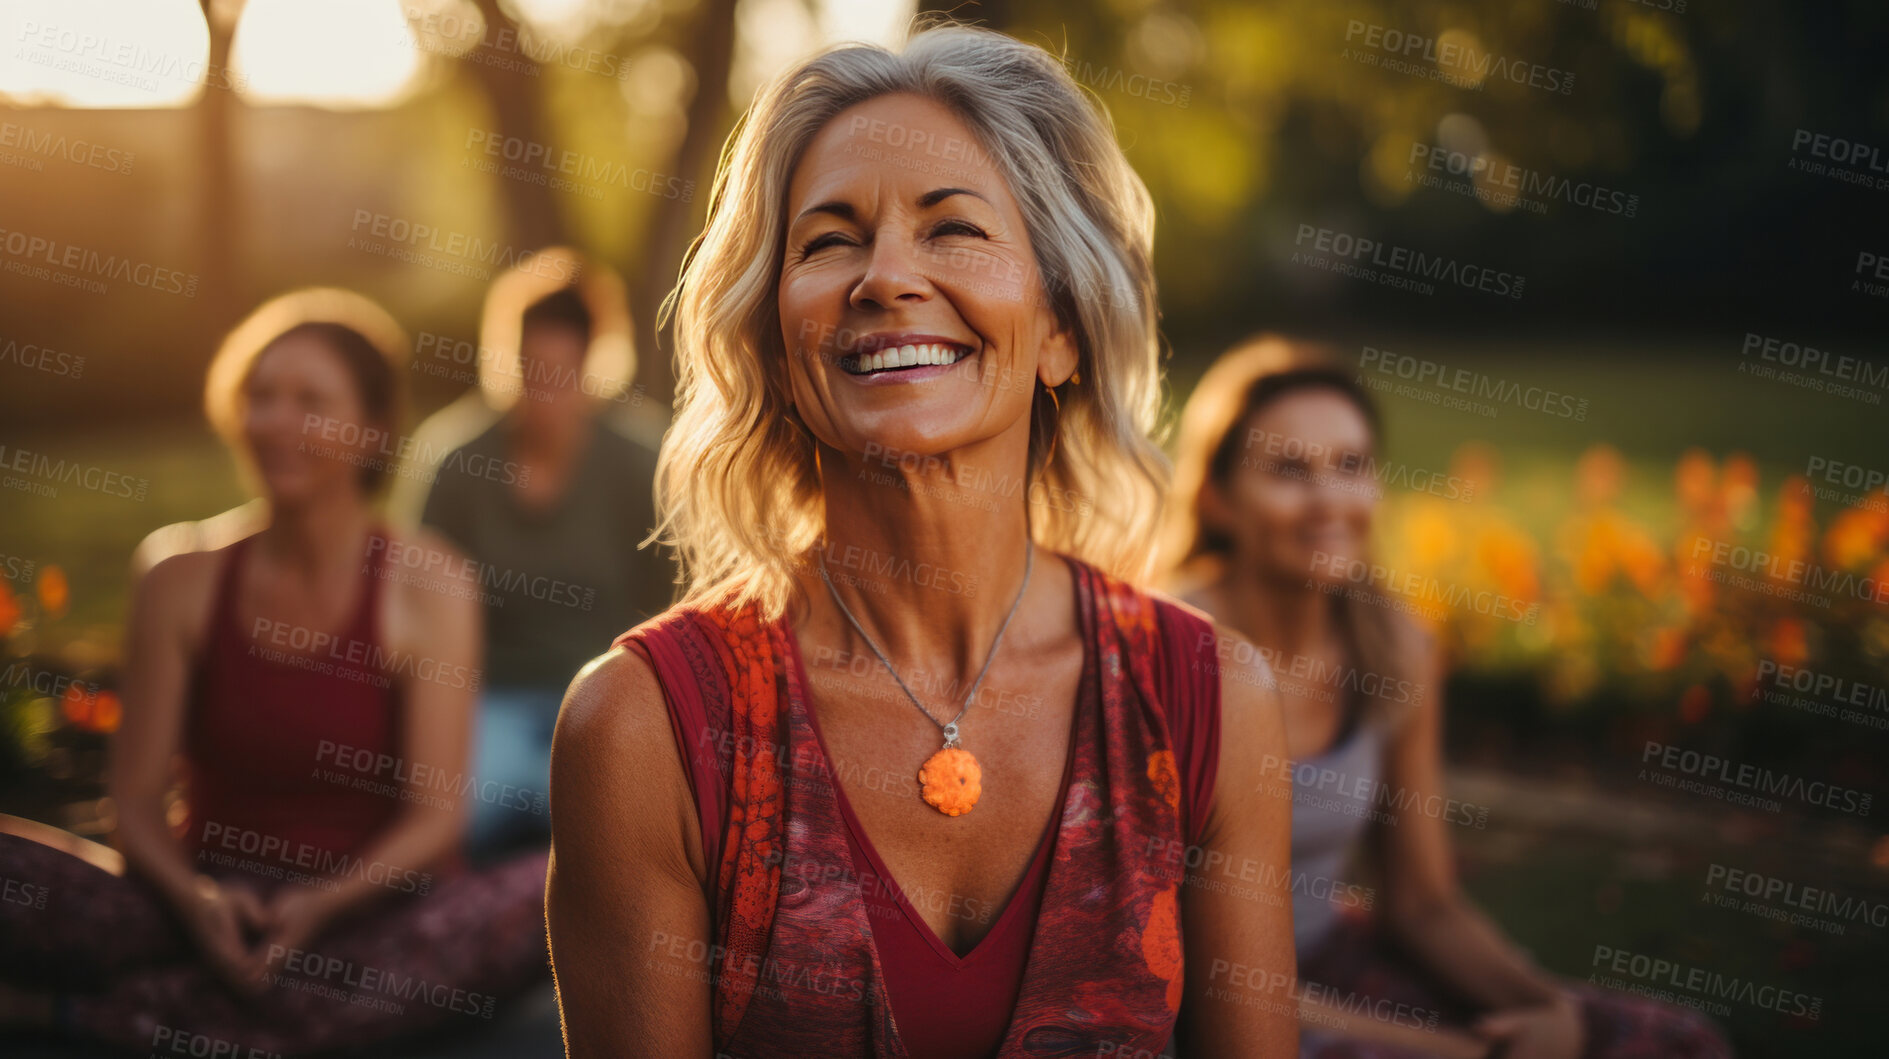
(899, 358)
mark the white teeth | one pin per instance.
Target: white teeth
(906, 357)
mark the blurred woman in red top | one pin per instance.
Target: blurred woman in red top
(314, 679)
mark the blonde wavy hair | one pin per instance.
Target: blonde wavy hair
(736, 482)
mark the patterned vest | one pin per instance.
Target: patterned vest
(799, 974)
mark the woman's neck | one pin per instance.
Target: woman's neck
(928, 556)
(1282, 614)
(319, 536)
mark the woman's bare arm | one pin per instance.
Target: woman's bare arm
(1236, 903)
(169, 605)
(631, 936)
(1424, 905)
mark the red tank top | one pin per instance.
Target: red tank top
(947, 1006)
(292, 739)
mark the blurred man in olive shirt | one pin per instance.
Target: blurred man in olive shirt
(549, 494)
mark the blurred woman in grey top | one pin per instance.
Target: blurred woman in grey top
(544, 476)
(1275, 491)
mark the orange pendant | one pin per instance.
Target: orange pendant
(951, 781)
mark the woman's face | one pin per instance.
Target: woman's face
(304, 424)
(904, 244)
(1299, 497)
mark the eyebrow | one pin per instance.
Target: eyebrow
(933, 198)
(845, 211)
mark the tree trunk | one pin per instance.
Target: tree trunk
(676, 223)
(532, 220)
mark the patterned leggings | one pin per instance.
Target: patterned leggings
(1356, 961)
(127, 974)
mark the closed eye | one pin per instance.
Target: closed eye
(956, 226)
(821, 242)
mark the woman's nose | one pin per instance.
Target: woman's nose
(893, 275)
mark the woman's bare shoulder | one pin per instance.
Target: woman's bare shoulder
(178, 592)
(616, 771)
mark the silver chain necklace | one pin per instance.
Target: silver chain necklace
(952, 761)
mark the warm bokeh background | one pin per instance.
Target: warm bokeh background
(254, 146)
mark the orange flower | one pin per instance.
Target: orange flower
(107, 714)
(1788, 643)
(77, 705)
(1167, 779)
(9, 609)
(54, 593)
(1855, 537)
(1692, 481)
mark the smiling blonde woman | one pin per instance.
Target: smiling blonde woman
(914, 768)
